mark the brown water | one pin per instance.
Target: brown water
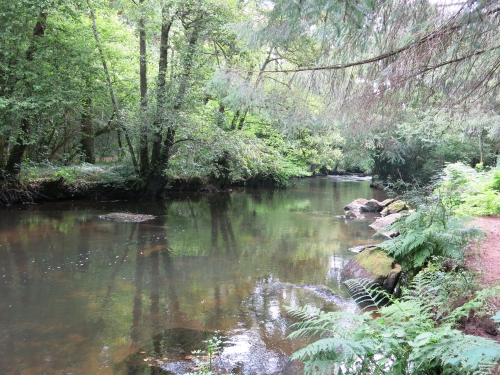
(81, 295)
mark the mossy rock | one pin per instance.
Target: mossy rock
(394, 208)
(373, 264)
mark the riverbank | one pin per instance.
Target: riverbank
(69, 187)
(59, 189)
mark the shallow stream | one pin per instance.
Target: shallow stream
(85, 296)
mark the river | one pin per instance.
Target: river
(86, 296)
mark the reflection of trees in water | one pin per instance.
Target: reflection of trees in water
(7, 273)
(336, 192)
(219, 206)
(83, 248)
(22, 266)
(138, 278)
(150, 246)
(173, 306)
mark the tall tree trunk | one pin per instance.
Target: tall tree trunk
(161, 150)
(481, 146)
(111, 90)
(87, 140)
(144, 151)
(155, 179)
(181, 93)
(13, 166)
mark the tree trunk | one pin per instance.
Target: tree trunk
(161, 89)
(87, 140)
(13, 166)
(161, 150)
(144, 151)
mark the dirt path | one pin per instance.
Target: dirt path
(485, 260)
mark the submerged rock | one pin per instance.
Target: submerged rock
(375, 265)
(123, 217)
(358, 249)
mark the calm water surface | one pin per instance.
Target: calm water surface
(82, 295)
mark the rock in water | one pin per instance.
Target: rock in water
(375, 265)
(123, 217)
(358, 249)
(355, 205)
(381, 225)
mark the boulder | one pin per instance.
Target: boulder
(355, 205)
(356, 208)
(371, 206)
(381, 224)
(394, 207)
(373, 264)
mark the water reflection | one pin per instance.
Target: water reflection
(221, 223)
(85, 296)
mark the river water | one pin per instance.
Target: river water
(81, 295)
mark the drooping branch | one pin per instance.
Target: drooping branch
(449, 27)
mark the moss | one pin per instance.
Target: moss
(377, 262)
(397, 206)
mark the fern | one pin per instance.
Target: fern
(367, 294)
(413, 335)
(429, 231)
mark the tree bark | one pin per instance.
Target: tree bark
(167, 22)
(161, 150)
(144, 150)
(87, 140)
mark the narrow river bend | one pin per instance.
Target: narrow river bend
(81, 295)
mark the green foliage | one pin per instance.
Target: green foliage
(428, 232)
(107, 175)
(495, 184)
(204, 358)
(68, 174)
(467, 191)
(414, 335)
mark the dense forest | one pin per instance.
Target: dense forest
(146, 92)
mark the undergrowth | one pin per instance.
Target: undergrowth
(416, 334)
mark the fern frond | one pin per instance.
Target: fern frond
(322, 323)
(471, 354)
(339, 355)
(367, 294)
